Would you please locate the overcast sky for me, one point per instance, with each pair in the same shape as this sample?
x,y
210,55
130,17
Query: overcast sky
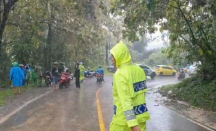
x,y
156,40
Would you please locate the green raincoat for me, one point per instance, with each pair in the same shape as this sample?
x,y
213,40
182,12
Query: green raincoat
x,y
129,92
34,77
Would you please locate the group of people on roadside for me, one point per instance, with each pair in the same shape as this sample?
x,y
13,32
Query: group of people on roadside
x,y
21,75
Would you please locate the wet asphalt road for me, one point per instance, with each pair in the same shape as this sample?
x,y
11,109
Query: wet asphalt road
x,y
76,110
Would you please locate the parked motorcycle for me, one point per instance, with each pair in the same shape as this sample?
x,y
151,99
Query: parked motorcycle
x,y
87,74
64,80
181,74
71,76
99,78
48,79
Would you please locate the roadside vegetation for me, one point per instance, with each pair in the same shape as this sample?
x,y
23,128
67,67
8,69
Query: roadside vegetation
x,y
45,31
5,94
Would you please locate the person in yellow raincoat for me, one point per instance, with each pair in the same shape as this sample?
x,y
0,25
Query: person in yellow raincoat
x,y
82,70
129,92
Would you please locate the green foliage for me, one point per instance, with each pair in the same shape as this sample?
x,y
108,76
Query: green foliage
x,y
192,33
191,26
4,95
158,58
45,31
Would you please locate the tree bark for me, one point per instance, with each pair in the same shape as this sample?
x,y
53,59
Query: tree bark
x,y
48,48
107,54
6,11
5,8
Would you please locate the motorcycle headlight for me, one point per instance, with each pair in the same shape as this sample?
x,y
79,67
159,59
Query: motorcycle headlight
x,y
63,78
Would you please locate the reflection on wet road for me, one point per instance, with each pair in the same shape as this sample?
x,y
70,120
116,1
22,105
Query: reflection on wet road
x,y
76,110
62,110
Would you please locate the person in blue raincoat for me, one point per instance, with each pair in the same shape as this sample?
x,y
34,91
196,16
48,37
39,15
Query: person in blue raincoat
x,y
17,76
25,73
100,71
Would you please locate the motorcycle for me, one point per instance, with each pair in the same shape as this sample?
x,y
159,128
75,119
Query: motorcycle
x,y
71,76
48,79
99,78
181,75
64,80
87,74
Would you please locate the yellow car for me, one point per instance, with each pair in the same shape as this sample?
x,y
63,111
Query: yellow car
x,y
165,70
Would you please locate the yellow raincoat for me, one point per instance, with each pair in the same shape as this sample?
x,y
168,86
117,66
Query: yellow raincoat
x,y
82,71
129,92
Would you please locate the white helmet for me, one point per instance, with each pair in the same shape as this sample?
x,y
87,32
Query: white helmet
x,y
56,63
80,63
21,65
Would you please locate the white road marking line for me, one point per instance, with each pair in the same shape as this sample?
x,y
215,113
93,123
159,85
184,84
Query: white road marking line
x,y
4,118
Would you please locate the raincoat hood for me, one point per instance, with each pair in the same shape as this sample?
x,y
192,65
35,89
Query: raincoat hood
x,y
15,64
121,54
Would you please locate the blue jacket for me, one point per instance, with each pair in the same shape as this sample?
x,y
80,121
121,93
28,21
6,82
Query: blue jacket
x,y
17,76
24,72
100,71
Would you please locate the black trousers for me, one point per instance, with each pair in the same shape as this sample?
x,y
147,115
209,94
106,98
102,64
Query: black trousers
x,y
77,82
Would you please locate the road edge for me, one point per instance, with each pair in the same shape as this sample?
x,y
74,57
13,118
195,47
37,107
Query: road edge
x,y
194,121
5,118
182,115
100,114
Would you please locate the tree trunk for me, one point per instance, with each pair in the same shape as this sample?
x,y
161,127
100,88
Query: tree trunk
x,y
107,54
3,20
48,48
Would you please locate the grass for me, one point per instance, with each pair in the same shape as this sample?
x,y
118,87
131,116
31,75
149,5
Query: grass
x,y
194,91
5,94
8,92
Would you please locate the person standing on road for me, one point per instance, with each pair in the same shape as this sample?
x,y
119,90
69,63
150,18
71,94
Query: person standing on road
x,y
100,71
40,74
17,76
55,74
129,92
61,68
35,76
29,74
24,72
82,71
77,75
